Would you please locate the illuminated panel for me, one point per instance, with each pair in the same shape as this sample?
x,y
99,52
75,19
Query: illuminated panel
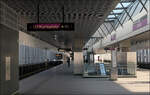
x,y
50,26
59,56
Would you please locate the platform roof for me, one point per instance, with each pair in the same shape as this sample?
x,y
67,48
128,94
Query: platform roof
x,y
87,15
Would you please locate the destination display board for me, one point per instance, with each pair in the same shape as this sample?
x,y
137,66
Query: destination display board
x,y
50,26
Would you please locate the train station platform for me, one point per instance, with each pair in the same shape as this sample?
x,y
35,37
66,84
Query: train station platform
x,y
61,81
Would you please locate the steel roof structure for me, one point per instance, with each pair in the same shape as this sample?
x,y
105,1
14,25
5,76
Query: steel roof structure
x,y
115,17
87,15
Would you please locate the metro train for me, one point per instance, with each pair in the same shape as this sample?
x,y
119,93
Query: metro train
x,y
62,57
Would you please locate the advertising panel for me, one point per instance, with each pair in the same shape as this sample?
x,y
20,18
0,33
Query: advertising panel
x,y
143,21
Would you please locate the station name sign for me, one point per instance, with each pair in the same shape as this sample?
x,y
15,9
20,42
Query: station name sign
x,y
50,26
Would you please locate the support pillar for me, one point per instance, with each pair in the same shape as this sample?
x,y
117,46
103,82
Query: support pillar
x,y
9,44
114,70
9,77
78,63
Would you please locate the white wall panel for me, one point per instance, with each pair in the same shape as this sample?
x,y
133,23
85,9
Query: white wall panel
x,y
32,50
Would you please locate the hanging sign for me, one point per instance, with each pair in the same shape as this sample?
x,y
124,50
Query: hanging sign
x,y
50,26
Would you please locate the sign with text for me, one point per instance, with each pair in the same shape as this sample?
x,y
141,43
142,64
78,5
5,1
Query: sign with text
x,y
50,26
140,23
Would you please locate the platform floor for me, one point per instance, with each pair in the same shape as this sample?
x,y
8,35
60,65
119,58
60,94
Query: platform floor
x,y
61,81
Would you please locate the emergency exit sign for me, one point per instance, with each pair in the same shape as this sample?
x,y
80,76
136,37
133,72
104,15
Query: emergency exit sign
x,y
50,26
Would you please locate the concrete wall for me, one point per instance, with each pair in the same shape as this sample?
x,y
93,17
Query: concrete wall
x,y
10,40
8,70
31,41
9,36
33,50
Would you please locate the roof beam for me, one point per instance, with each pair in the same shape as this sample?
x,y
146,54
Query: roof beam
x,y
127,1
115,13
103,31
121,8
111,18
126,12
117,19
143,5
107,21
99,33
112,26
106,28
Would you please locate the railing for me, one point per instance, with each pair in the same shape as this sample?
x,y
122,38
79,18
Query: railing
x,y
94,70
124,70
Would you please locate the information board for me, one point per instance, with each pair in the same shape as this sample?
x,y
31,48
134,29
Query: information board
x,y
143,21
50,26
102,69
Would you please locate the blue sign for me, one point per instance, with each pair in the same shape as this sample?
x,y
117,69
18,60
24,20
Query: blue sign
x,y
102,69
50,26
